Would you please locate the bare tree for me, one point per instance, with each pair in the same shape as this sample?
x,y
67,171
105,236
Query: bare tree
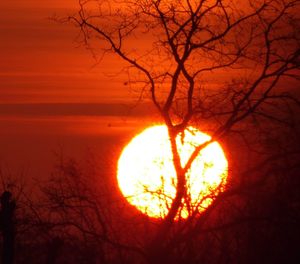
x,y
226,66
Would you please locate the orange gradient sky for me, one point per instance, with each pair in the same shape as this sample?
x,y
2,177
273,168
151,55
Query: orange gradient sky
x,y
52,94
42,62
51,85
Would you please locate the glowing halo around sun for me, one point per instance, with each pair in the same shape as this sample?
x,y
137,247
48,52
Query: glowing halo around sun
x,y
147,178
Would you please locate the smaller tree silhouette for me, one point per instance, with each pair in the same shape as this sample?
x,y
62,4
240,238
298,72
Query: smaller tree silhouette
x,y
7,227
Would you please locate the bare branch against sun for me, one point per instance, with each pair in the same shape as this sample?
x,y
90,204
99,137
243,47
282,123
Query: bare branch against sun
x,y
213,64
190,42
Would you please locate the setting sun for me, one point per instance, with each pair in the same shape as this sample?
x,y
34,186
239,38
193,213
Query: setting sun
x,y
147,178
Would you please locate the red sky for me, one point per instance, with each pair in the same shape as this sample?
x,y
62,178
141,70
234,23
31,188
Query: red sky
x,y
42,62
51,93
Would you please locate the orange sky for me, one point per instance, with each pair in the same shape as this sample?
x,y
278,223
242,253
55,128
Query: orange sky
x,y
42,65
41,61
51,95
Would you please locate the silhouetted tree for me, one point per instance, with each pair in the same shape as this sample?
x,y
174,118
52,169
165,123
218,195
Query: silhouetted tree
x,y
7,227
230,67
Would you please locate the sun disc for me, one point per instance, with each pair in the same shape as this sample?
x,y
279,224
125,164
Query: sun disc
x,y
147,177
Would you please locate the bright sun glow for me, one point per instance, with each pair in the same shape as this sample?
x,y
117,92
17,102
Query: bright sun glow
x,y
147,178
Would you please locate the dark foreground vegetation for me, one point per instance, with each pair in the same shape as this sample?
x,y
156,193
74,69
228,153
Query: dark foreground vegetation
x,y
79,216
